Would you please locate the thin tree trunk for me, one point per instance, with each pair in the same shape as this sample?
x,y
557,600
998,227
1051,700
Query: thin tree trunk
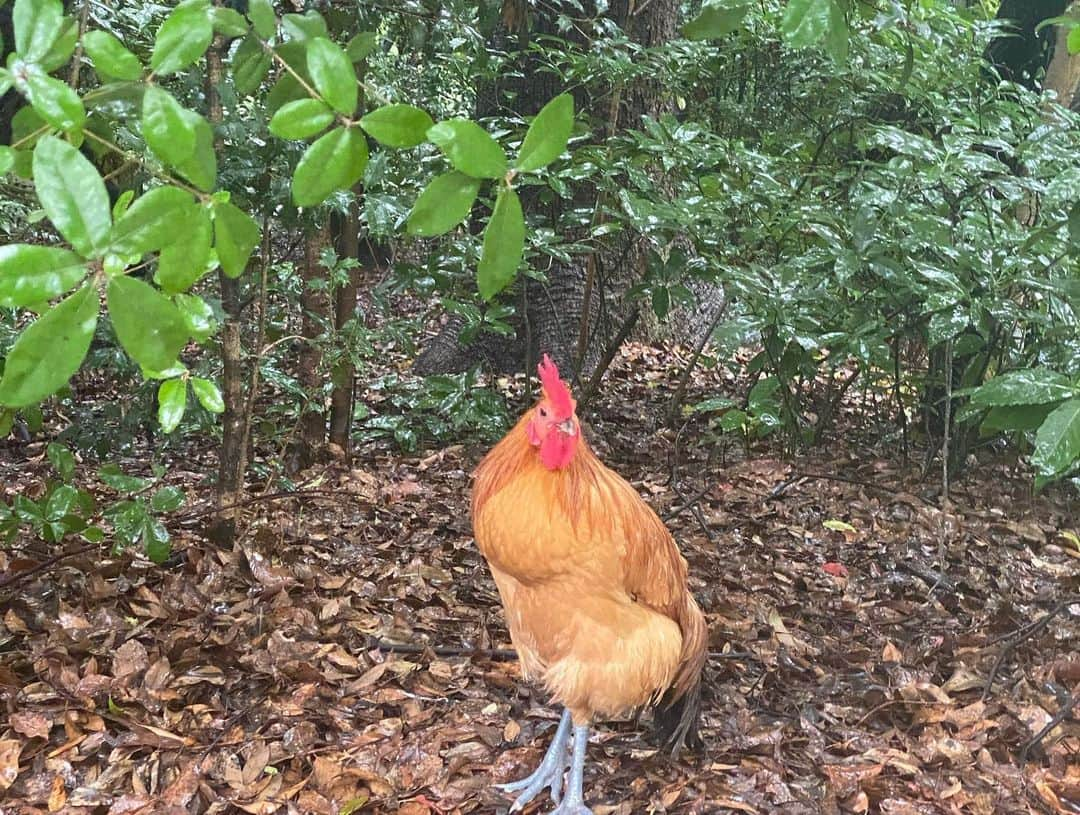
x,y
344,375
315,307
232,458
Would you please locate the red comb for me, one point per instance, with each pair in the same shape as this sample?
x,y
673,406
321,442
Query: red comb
x,y
555,389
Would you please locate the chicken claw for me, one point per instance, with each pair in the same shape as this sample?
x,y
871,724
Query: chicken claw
x,y
548,774
574,802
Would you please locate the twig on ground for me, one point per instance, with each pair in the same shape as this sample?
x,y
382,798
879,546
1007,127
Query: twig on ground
x,y
1013,640
1068,702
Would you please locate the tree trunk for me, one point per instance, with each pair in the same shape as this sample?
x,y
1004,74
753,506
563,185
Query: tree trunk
x,y
580,306
344,374
315,307
232,462
1063,73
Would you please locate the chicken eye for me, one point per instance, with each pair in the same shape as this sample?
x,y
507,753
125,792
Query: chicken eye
x,y
543,413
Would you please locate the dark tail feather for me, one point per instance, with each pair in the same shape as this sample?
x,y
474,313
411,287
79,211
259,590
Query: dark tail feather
x,y
677,713
676,720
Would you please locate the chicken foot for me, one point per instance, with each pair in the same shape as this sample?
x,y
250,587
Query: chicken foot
x,y
548,774
573,803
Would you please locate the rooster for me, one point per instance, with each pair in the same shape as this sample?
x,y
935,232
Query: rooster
x,y
593,586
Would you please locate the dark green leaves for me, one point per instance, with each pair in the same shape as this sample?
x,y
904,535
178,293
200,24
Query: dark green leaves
x,y
548,134
717,19
301,119
443,204
183,37
334,162
32,275
400,126
1035,386
150,328
504,244
469,148
1057,444
235,237
332,74
50,350
73,195
111,59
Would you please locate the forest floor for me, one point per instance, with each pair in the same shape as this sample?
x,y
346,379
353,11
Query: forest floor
x,y
855,621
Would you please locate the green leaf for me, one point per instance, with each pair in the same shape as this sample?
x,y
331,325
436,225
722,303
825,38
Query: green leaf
x,y
181,265
1057,443
806,22
362,45
836,38
208,395
250,64
715,403
172,402
261,14
504,244
31,274
201,168
946,324
1030,386
1011,418
50,350
548,134
62,459
149,327
301,119
155,541
443,204
335,162
400,126
198,316
73,195
469,148
168,127
1074,213
111,59
1073,41
55,101
60,502
7,156
303,27
183,37
661,301
332,74
63,46
37,24
167,499
157,219
236,234
113,477
717,19
228,22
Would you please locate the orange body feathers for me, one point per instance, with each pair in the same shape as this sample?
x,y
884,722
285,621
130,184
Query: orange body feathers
x,y
593,584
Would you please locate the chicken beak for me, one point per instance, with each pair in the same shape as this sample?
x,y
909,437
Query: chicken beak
x,y
567,427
